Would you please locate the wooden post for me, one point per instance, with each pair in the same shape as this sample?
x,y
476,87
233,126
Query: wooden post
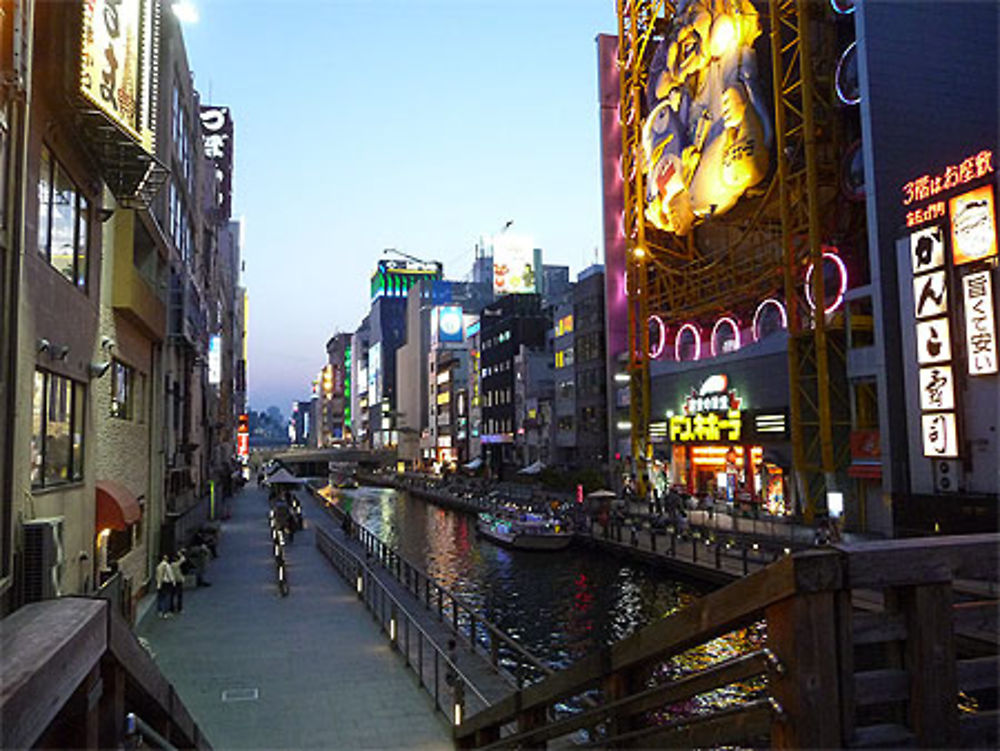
x,y
930,661
802,631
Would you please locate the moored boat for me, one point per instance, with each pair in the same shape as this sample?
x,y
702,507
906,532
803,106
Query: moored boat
x,y
523,530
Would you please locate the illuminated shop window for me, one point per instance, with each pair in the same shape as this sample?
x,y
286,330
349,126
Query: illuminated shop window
x,y
63,221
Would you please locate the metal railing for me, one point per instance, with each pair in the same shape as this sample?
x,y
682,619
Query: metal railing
x,y
453,693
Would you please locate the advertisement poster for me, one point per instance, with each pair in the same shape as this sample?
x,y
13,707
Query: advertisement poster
x,y
973,226
115,63
449,323
513,265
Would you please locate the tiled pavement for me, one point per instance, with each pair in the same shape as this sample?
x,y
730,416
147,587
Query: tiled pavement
x,y
325,678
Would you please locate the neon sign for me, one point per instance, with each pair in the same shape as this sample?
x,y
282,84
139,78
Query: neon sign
x,y
841,289
661,340
710,413
758,313
969,169
727,345
697,341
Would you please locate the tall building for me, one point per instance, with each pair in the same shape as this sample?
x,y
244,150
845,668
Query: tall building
x,y
815,327
564,386
335,392
505,325
390,285
590,370
360,341
106,240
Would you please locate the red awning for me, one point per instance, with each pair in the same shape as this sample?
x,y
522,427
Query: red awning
x,y
117,506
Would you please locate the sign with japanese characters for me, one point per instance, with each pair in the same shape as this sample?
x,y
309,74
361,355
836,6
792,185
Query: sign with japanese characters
x,y
980,325
940,435
973,226
710,413
217,139
937,388
933,341
931,312
930,294
927,249
116,64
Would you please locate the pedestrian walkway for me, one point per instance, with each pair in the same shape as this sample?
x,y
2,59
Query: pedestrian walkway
x,y
305,671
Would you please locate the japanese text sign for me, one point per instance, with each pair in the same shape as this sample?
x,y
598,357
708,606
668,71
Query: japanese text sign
x,y
940,435
933,341
115,63
937,388
980,325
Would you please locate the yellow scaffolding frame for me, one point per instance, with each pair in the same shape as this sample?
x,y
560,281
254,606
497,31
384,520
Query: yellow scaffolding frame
x,y
764,244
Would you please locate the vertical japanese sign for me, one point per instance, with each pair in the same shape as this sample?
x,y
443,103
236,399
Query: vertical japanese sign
x,y
933,334
116,63
980,325
217,138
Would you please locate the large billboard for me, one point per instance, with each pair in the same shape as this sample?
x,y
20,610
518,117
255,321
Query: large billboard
x,y
514,269
217,139
117,65
447,323
707,135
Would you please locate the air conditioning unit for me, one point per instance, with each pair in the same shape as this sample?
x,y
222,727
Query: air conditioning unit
x,y
44,558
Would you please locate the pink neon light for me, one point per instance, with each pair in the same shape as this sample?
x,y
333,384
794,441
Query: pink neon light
x,y
625,283
661,345
697,341
733,325
840,292
756,316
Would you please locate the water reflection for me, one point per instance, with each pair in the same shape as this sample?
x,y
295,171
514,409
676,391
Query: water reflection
x,y
558,605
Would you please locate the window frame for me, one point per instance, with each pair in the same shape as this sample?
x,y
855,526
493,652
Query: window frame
x,y
76,444
127,409
82,220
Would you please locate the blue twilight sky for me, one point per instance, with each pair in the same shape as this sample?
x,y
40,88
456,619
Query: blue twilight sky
x,y
420,125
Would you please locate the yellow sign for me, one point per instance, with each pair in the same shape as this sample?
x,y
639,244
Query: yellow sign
x,y
706,426
116,65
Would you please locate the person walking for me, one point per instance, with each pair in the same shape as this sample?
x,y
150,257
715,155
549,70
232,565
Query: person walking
x,y
178,566
164,586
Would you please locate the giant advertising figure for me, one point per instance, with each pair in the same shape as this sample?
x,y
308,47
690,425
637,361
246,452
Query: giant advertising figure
x,y
708,135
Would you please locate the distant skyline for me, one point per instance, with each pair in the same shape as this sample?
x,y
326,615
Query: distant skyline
x,y
416,125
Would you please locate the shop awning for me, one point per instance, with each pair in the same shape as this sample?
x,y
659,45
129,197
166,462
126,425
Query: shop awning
x,y
117,506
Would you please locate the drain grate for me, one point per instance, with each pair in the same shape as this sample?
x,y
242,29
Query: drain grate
x,y
240,694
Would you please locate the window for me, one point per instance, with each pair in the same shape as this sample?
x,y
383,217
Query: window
x,y
63,221
123,395
57,423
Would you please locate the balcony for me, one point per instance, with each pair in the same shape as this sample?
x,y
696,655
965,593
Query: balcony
x,y
134,295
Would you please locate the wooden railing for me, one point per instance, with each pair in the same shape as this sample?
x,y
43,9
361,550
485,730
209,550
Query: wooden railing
x,y
829,674
71,671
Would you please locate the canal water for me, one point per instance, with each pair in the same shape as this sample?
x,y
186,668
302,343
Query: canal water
x,y
558,605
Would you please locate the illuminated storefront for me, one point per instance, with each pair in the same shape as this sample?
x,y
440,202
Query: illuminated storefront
x,y
716,446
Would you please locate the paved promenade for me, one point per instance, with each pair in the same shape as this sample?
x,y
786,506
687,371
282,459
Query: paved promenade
x,y
306,671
